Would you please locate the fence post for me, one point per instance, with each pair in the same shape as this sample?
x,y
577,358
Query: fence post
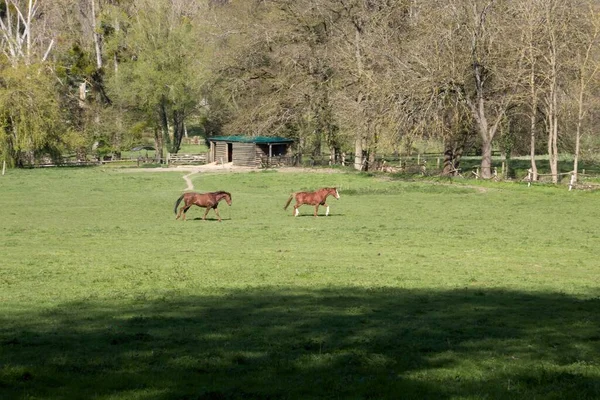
x,y
529,177
572,181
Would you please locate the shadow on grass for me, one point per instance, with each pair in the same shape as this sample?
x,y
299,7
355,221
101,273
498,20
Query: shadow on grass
x,y
347,343
319,215
210,219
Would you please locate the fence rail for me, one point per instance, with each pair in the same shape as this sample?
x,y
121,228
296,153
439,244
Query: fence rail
x,y
186,159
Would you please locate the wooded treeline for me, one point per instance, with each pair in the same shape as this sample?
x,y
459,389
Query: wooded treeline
x,y
358,76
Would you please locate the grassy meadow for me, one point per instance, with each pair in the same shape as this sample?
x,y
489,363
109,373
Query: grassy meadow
x,y
409,289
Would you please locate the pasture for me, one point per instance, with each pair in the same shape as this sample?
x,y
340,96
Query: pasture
x,y
411,290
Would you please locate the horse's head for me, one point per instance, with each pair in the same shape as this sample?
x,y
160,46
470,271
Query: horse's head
x,y
223,195
228,198
334,192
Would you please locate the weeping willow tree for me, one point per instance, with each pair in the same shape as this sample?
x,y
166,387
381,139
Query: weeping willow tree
x,y
30,116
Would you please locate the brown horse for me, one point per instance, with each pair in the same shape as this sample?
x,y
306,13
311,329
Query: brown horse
x,y
207,200
312,198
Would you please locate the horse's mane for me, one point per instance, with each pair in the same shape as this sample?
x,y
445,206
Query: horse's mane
x,y
221,192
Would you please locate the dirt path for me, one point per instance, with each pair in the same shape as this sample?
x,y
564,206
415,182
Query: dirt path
x,y
186,178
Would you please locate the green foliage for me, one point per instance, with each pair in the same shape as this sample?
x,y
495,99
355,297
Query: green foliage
x,y
160,72
409,289
76,66
31,122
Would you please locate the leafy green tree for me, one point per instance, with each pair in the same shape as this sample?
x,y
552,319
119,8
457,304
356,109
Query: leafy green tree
x,y
31,123
160,71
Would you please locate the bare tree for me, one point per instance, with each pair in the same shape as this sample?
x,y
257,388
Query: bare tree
x,y
496,69
23,33
587,64
531,26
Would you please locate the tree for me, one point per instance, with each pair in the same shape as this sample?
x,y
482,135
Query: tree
x,y
367,36
160,73
31,121
586,65
277,72
22,30
494,71
531,26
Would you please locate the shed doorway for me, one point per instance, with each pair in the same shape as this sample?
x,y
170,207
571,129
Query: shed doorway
x,y
229,152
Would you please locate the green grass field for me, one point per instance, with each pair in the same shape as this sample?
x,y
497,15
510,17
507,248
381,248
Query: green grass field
x,y
408,290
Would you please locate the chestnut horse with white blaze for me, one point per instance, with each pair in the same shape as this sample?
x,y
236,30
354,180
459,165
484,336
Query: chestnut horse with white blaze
x,y
316,199
207,200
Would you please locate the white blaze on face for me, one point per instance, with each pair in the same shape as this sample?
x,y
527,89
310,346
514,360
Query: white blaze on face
x,y
337,194
327,212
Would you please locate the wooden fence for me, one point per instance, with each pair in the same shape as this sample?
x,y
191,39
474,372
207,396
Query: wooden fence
x,y
277,161
186,159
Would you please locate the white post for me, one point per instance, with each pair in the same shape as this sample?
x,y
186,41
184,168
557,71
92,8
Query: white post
x,y
529,177
3,167
572,182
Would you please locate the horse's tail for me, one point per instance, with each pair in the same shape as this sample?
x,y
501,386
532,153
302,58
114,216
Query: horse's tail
x,y
288,201
178,201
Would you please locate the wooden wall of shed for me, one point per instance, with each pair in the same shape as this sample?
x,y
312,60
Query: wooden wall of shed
x,y
261,151
244,154
220,152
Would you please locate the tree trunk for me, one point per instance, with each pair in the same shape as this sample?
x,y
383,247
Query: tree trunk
x,y
97,38
452,156
533,116
163,124
358,153
486,159
553,118
358,140
578,135
159,145
485,133
178,130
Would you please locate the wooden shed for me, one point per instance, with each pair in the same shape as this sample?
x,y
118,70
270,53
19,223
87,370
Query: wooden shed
x,y
248,151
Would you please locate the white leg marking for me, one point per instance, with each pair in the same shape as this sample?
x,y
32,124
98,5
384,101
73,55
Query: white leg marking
x,y
327,212
296,213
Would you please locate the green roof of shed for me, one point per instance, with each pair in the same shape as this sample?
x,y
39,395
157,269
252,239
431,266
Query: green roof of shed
x,y
251,139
